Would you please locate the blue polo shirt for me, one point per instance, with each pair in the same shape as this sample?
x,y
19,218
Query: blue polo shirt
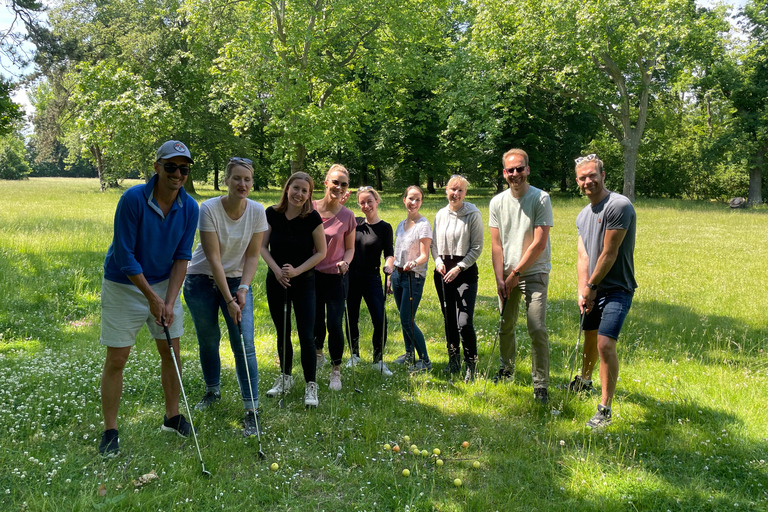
x,y
145,241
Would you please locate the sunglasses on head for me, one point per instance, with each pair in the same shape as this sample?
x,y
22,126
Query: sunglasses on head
x,y
171,167
513,170
240,160
587,158
342,184
365,188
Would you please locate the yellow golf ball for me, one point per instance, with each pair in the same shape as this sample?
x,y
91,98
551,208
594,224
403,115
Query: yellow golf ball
x,y
424,453
274,466
406,472
476,464
406,439
387,447
439,462
457,482
436,451
414,448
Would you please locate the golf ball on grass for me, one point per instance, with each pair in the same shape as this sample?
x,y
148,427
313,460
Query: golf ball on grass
x,y
395,448
457,482
387,447
476,464
406,439
414,448
406,472
274,466
436,451
465,444
439,462
424,453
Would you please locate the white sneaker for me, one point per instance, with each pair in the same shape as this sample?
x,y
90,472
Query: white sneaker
x,y
381,367
321,360
355,359
335,383
310,395
283,382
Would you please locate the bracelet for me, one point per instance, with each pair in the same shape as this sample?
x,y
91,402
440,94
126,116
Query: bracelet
x,y
243,287
230,302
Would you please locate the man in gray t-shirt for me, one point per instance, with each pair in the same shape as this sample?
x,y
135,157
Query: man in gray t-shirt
x,y
520,219
606,271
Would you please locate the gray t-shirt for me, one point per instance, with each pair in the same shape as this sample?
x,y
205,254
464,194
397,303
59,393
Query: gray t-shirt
x,y
613,212
516,219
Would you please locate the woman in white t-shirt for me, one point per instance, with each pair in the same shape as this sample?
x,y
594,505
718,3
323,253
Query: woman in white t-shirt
x,y
413,237
219,278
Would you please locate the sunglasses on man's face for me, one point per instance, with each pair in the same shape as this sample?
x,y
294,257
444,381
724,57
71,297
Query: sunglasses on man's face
x,y
171,167
342,184
513,170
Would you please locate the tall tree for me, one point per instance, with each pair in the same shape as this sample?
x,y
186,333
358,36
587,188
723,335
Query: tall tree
x,y
610,55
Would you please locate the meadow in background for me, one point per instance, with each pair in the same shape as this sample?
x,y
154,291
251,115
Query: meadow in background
x,y
689,430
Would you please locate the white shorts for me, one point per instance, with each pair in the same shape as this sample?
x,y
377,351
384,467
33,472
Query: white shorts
x,y
124,309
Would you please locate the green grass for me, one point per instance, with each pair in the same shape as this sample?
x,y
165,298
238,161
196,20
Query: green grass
x,y
690,419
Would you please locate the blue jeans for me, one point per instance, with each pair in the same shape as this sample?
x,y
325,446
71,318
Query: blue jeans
x,y
300,297
368,287
406,287
329,295
204,302
609,313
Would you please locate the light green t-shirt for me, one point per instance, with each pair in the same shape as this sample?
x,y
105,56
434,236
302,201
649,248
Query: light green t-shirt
x,y
516,220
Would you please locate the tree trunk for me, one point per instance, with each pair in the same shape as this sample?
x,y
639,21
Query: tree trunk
x,y
216,175
379,185
96,152
430,184
297,163
630,165
756,178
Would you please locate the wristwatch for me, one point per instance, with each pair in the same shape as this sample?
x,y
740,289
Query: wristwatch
x,y
516,273
592,286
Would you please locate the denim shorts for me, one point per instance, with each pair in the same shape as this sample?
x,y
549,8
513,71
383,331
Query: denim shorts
x,y
608,315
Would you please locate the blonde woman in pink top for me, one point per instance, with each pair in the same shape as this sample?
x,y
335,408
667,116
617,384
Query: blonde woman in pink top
x,y
339,225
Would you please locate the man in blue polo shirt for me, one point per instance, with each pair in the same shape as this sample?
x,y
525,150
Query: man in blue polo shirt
x,y
143,272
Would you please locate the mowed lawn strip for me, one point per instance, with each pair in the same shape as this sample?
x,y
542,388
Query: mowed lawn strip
x,y
690,421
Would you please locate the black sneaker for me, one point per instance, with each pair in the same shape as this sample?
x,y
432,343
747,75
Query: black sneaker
x,y
453,366
251,424
178,424
209,398
502,375
540,395
579,385
110,443
469,376
601,419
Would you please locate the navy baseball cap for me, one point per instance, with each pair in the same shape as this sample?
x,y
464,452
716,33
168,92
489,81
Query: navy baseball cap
x,y
174,148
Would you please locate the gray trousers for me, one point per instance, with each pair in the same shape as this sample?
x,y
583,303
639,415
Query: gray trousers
x,y
534,289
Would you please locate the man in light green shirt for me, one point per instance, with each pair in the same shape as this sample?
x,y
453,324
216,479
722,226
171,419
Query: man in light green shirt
x,y
520,219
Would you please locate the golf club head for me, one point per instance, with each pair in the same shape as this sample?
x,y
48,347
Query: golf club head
x,y
262,455
206,472
280,404
358,391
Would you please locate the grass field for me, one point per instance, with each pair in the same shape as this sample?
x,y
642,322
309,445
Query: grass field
x,y
690,428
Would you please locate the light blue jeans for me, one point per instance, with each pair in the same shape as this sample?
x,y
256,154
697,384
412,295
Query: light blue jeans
x,y
406,287
204,302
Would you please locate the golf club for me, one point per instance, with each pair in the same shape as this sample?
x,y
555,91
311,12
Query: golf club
x,y
413,331
384,325
573,361
183,394
493,348
286,321
349,339
262,456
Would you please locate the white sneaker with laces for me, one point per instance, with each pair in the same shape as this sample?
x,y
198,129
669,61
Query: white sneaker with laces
x,y
282,380
335,383
310,395
354,360
377,367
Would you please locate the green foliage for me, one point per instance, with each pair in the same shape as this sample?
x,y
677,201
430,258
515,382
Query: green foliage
x,y
10,112
13,163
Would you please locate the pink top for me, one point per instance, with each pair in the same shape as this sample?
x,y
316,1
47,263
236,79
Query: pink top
x,y
336,228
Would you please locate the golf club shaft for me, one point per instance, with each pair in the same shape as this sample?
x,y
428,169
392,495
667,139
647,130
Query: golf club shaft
x,y
286,320
575,356
349,339
250,386
184,395
493,348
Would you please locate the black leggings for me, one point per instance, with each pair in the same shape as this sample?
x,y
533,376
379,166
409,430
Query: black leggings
x,y
300,295
461,295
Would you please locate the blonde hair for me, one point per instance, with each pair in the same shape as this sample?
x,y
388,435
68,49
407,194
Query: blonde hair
x,y
234,162
369,190
458,180
337,167
514,151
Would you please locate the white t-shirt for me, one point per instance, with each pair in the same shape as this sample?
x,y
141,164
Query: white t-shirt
x,y
234,235
407,247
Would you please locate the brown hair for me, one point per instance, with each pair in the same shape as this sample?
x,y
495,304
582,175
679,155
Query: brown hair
x,y
515,151
307,206
405,194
